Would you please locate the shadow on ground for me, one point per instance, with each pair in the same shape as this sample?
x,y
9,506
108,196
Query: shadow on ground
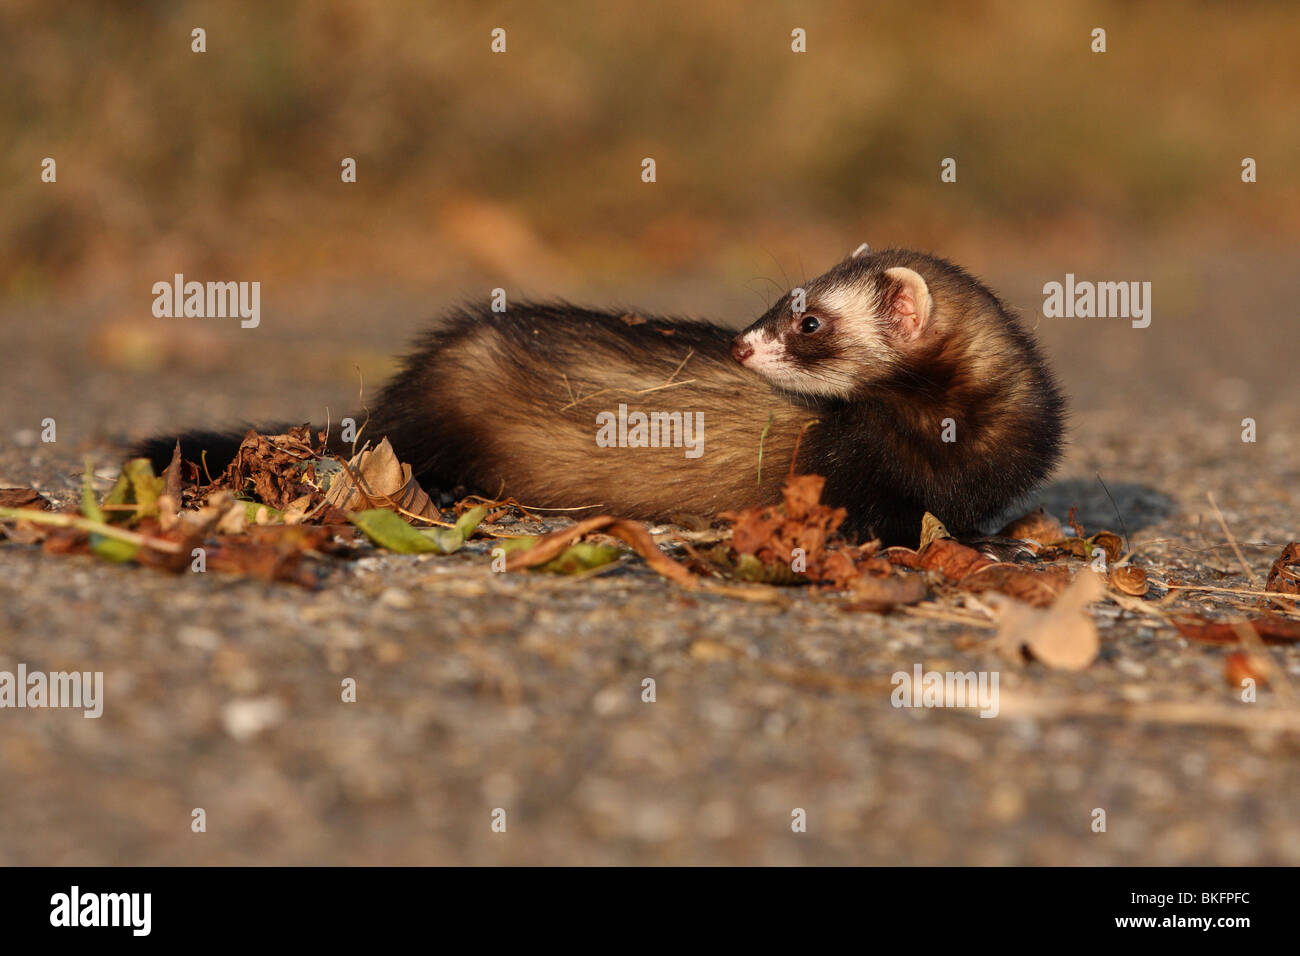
x,y
1118,506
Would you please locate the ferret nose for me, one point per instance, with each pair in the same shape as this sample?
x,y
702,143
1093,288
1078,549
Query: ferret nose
x,y
740,349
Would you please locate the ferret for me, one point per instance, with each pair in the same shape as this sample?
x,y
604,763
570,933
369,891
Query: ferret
x,y
897,376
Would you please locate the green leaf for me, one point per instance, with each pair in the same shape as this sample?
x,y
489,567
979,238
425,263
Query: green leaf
x,y
146,489
107,541
582,556
451,539
388,530
112,549
119,494
750,568
251,508
521,543
89,506
578,557
135,485
470,520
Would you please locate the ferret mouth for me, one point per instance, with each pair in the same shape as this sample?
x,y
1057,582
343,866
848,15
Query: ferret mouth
x,y
778,373
755,351
820,383
760,358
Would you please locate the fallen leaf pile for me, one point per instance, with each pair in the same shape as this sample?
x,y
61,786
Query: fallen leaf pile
x,y
796,542
280,504
275,469
284,503
971,571
141,521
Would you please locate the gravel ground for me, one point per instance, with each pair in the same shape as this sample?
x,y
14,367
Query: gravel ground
x,y
478,691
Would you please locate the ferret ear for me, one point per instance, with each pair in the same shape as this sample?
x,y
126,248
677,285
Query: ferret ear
x,y
907,303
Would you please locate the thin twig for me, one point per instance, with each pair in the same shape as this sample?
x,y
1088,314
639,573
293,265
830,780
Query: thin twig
x,y
1123,526
640,391
1231,540
1206,587
761,438
938,614
798,440
656,388
361,397
61,520
579,401
1181,713
689,353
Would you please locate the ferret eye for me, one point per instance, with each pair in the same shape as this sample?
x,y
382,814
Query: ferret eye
x,y
810,324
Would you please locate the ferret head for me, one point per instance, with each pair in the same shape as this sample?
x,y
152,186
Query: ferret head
x,y
844,330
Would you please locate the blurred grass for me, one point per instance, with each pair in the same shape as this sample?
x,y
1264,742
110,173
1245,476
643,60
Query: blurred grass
x,y
527,164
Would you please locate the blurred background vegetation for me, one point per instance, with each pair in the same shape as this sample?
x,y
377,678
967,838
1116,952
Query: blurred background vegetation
x,y
523,170
526,165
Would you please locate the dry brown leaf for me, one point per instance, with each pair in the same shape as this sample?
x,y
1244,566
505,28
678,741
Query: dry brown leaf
x,y
24,498
297,510
1240,665
274,553
632,533
1109,542
1062,636
932,529
1129,580
882,593
202,521
802,523
1284,576
902,557
273,467
1270,628
172,498
802,495
951,559
1037,587
1075,547
234,520
376,479
24,532
1039,525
